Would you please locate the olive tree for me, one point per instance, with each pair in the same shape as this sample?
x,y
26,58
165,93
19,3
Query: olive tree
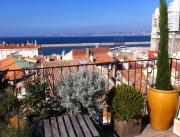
x,y
83,92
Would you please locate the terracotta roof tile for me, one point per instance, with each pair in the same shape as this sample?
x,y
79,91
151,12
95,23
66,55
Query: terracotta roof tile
x,y
63,68
56,73
100,55
99,50
137,78
125,57
152,54
78,52
10,64
135,65
103,58
80,57
130,58
13,63
95,51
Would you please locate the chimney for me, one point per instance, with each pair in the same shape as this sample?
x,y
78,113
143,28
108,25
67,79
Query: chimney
x,y
91,58
87,52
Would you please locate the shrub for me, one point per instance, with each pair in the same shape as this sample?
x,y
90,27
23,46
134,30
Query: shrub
x,y
127,104
39,101
7,105
16,132
82,92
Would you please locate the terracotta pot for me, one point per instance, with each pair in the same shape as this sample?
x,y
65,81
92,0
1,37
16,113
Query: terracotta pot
x,y
124,129
162,107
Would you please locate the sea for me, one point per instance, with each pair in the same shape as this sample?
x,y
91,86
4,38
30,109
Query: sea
x,y
68,40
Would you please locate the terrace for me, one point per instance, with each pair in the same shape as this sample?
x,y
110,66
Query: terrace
x,y
140,74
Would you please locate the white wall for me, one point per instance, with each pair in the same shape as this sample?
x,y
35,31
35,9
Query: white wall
x,y
68,56
173,25
23,52
174,15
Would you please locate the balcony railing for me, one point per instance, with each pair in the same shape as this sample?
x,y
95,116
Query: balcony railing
x,y
141,73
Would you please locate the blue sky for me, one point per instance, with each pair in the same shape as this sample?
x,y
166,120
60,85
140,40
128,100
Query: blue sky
x,y
47,17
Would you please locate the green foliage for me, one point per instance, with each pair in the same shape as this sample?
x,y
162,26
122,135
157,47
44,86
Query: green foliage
x,y
163,79
7,104
110,97
16,132
178,119
82,91
128,103
39,101
7,101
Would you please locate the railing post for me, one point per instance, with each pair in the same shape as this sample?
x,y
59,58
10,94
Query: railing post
x,y
115,72
53,80
141,75
128,71
108,76
171,64
135,74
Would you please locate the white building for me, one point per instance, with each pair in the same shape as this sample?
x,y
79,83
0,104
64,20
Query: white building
x,y
27,50
155,30
174,16
173,25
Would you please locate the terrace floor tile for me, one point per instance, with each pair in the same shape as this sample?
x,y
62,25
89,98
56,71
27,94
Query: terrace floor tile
x,y
149,132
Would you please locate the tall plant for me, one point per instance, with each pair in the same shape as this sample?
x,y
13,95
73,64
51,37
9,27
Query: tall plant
x,y
163,79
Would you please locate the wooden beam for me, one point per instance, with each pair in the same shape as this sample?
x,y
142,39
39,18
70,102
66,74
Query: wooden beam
x,y
62,127
84,127
69,126
47,128
55,129
77,127
91,126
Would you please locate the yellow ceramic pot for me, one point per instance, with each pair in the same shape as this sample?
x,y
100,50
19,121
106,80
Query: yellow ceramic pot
x,y
162,107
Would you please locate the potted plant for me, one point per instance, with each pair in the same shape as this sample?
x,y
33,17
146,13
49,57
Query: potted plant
x,y
163,98
127,110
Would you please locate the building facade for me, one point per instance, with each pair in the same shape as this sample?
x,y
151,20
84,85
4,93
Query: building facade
x,y
27,50
174,29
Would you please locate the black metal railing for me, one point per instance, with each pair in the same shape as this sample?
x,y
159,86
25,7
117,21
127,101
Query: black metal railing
x,y
140,74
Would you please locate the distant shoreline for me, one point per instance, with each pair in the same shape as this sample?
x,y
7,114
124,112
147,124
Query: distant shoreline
x,y
75,40
73,36
96,44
